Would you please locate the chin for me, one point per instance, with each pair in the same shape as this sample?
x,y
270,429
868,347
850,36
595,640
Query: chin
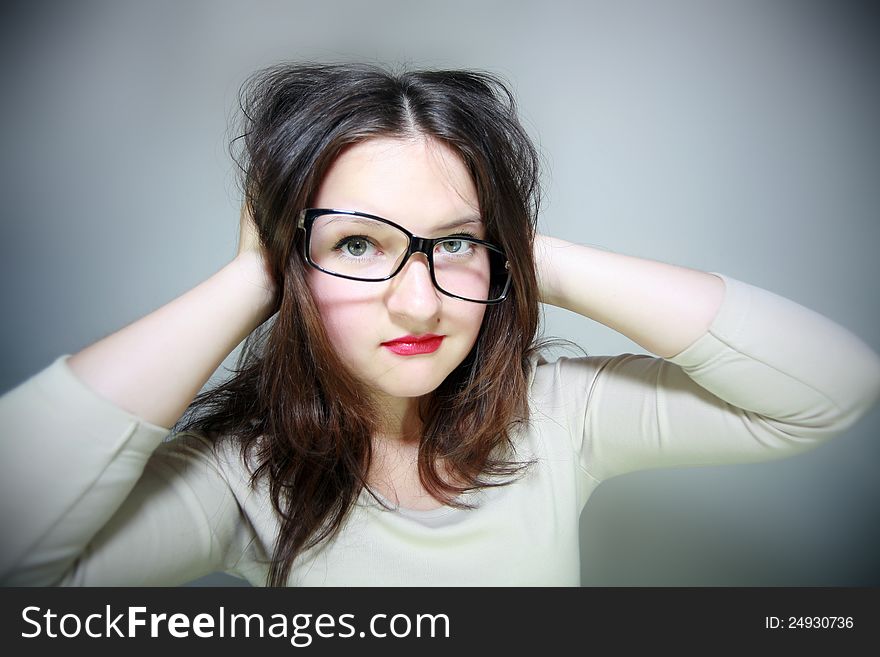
x,y
414,382
410,389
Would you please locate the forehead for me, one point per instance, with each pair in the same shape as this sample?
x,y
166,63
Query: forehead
x,y
419,183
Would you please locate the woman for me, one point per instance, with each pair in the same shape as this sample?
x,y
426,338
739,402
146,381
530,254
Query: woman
x,y
393,422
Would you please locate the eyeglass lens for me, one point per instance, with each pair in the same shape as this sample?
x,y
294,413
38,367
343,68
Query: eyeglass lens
x,y
367,249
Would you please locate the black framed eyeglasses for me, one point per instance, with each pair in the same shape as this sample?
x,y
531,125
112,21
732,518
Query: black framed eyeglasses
x,y
364,247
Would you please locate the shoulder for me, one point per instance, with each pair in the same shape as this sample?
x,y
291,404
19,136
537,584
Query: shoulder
x,y
546,373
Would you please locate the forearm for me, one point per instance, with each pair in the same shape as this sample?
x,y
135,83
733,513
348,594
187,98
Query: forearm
x,y
155,366
664,308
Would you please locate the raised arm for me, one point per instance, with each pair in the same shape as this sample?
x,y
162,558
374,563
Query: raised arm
x,y
88,494
746,375
664,308
155,366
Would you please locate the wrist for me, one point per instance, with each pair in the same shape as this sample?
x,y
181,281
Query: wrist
x,y
251,269
547,278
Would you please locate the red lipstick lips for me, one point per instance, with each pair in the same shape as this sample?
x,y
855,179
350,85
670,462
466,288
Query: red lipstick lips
x,y
413,345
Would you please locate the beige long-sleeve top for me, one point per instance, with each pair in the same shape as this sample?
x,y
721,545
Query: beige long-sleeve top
x,y
91,494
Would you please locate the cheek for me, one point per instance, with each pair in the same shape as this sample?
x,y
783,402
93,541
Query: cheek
x,y
471,319
344,308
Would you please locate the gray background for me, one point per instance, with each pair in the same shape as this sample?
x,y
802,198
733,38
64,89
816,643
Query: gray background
x,y
738,137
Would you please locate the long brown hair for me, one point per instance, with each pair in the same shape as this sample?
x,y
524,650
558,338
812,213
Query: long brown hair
x,y
302,419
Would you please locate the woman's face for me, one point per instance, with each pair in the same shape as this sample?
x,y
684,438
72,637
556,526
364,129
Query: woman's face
x,y
422,185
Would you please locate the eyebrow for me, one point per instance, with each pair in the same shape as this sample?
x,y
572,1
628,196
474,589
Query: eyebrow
x,y
458,223
349,219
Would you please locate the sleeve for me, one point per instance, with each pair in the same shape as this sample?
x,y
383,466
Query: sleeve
x,y
91,495
768,379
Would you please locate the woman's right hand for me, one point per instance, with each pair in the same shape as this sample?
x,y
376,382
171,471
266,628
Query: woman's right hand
x,y
248,239
251,255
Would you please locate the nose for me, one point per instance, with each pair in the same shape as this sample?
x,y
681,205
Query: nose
x,y
412,297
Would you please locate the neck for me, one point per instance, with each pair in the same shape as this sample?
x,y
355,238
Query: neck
x,y
400,422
